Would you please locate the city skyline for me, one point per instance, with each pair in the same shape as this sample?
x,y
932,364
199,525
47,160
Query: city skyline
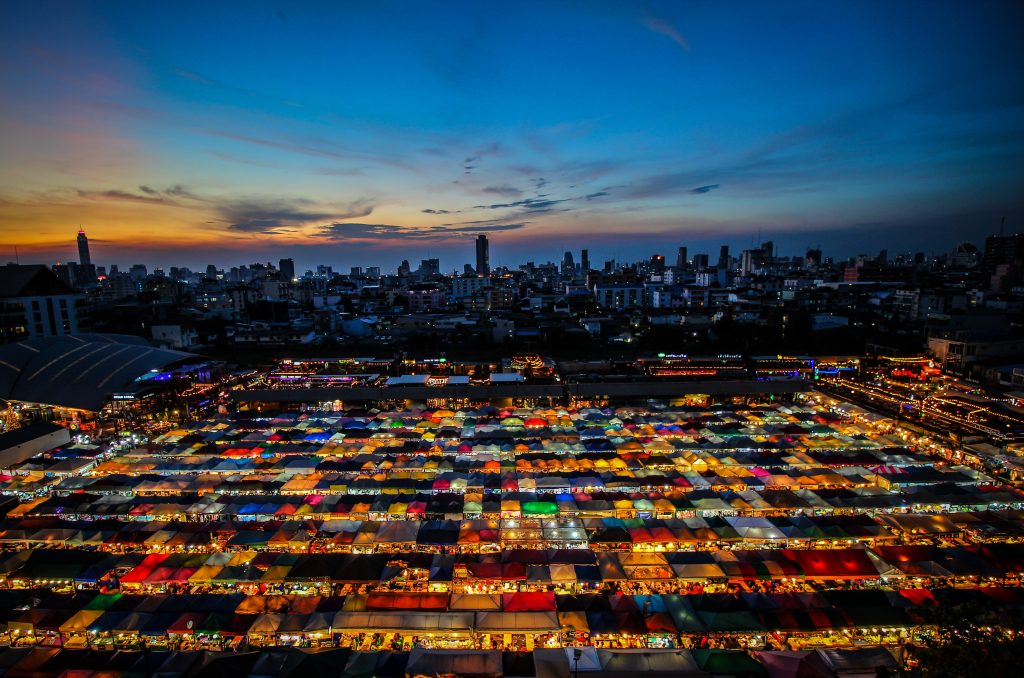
x,y
478,260
344,136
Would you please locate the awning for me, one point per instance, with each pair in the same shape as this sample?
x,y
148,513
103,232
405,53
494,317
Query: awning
x,y
429,662
517,622
377,622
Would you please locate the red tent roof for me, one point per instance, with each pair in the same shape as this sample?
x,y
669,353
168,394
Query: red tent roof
x,y
528,601
834,564
385,600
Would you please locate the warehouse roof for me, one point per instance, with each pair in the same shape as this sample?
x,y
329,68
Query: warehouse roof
x,y
77,371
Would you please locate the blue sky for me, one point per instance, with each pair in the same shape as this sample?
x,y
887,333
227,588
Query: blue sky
x,y
368,132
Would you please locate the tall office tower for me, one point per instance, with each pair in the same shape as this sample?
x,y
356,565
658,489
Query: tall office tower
x,y
700,261
286,267
83,249
681,261
723,257
657,263
749,260
585,261
138,272
483,256
568,265
1003,261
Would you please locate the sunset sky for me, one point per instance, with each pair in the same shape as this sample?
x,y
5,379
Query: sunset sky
x,y
363,133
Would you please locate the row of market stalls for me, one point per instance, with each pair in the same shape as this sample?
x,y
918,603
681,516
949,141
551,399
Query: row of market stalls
x,y
306,475
523,621
562,570
553,531
554,663
473,536
394,501
537,440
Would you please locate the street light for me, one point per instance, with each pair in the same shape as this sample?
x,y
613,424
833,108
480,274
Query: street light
x,y
576,655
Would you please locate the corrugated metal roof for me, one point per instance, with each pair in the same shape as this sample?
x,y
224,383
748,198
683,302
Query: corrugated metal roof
x,y
77,371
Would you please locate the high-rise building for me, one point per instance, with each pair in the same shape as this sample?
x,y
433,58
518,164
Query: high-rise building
x,y
700,261
681,261
750,261
287,269
585,261
429,267
1003,261
138,272
35,302
966,255
657,263
483,255
723,257
568,265
83,249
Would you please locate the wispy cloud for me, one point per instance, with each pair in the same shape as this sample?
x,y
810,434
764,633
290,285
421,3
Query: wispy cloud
x,y
284,215
528,204
313,146
192,75
663,27
361,231
704,189
122,195
472,160
507,191
172,195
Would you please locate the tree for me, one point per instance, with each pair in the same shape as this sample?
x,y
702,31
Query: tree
x,y
971,640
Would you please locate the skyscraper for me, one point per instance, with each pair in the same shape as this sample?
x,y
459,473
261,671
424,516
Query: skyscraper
x,y
1003,262
483,256
429,267
83,249
585,261
287,268
681,261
